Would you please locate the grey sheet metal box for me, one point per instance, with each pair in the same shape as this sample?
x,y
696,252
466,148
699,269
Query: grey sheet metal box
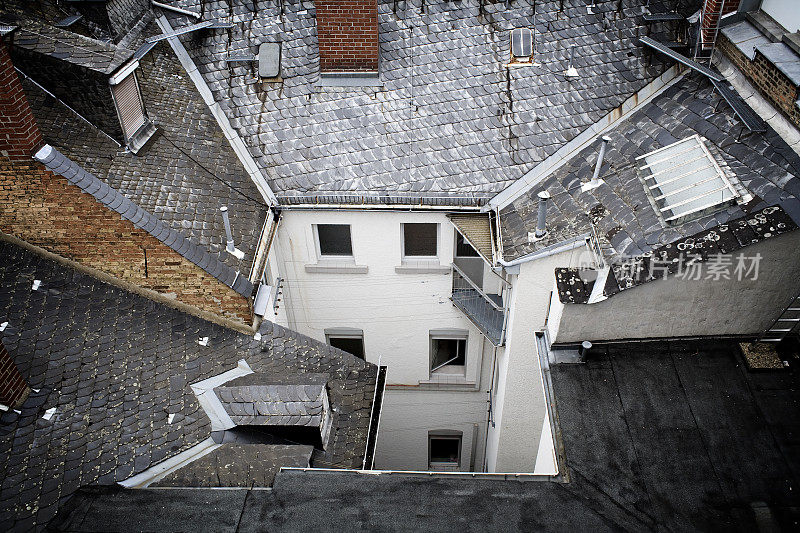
x,y
269,60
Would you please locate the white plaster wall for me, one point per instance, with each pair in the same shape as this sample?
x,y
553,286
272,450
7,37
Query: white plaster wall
x,y
685,308
407,417
785,12
520,406
396,313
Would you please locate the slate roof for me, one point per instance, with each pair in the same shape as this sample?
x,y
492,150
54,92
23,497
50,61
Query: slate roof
x,y
57,163
182,175
449,116
256,400
624,220
661,436
114,366
63,44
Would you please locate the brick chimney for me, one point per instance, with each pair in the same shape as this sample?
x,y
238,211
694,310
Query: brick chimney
x,y
19,133
711,16
347,31
13,389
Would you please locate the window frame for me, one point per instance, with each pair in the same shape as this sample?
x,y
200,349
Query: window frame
x,y
115,98
449,334
412,258
466,242
347,333
332,257
445,434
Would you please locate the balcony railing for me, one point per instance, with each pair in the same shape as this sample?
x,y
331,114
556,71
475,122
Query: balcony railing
x,y
488,312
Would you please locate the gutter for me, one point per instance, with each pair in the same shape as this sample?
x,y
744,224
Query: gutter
x,y
563,246
235,141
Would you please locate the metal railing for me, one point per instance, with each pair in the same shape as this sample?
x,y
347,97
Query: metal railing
x,y
489,313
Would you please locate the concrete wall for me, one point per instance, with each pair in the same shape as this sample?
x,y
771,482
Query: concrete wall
x,y
680,308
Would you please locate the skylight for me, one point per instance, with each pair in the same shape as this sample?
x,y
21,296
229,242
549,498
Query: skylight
x,y
684,181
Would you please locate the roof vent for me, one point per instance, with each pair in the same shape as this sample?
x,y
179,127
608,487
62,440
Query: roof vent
x,y
571,72
596,181
521,45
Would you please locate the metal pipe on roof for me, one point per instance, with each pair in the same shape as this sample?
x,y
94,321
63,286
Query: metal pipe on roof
x,y
541,216
600,156
228,233
176,9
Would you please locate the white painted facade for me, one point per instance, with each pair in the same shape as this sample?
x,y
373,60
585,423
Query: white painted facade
x,y
396,304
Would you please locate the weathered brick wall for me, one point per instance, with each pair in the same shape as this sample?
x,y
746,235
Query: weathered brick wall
x,y
770,82
711,15
19,133
13,389
347,31
46,210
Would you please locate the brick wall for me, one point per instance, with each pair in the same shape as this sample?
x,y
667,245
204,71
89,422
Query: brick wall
x,y
347,31
711,15
19,133
48,211
770,82
13,389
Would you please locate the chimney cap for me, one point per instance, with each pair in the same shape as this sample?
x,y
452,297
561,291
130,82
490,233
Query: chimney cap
x,y
544,195
223,208
606,138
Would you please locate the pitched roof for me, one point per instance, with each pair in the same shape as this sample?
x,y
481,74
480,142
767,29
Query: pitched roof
x,y
115,366
448,117
620,212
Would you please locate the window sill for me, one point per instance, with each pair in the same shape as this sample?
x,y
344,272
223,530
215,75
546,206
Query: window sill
x,y
432,267
336,268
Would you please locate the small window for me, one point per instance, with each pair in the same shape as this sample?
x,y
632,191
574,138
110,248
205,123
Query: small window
x,y
353,344
521,45
463,248
420,240
334,239
448,353
444,449
684,181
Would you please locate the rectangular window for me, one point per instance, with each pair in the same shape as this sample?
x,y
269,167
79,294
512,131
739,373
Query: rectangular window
x,y
444,449
129,105
463,248
334,239
350,340
420,240
448,351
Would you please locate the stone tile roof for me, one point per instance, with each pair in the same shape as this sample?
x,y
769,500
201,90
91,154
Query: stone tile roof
x,y
71,47
114,366
449,115
620,212
57,163
255,400
184,173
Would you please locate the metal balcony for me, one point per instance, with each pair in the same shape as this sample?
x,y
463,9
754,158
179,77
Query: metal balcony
x,y
486,311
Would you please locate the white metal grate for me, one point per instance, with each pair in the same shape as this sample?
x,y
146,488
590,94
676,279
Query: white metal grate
x,y
683,179
129,105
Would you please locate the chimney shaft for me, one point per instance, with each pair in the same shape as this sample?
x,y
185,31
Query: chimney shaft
x,y
541,218
347,33
20,137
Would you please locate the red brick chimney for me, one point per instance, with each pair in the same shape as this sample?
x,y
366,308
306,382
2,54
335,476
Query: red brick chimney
x,y
711,16
19,133
13,389
347,31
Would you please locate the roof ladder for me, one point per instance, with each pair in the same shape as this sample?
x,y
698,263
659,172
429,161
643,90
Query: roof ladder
x,y
680,27
785,324
707,33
